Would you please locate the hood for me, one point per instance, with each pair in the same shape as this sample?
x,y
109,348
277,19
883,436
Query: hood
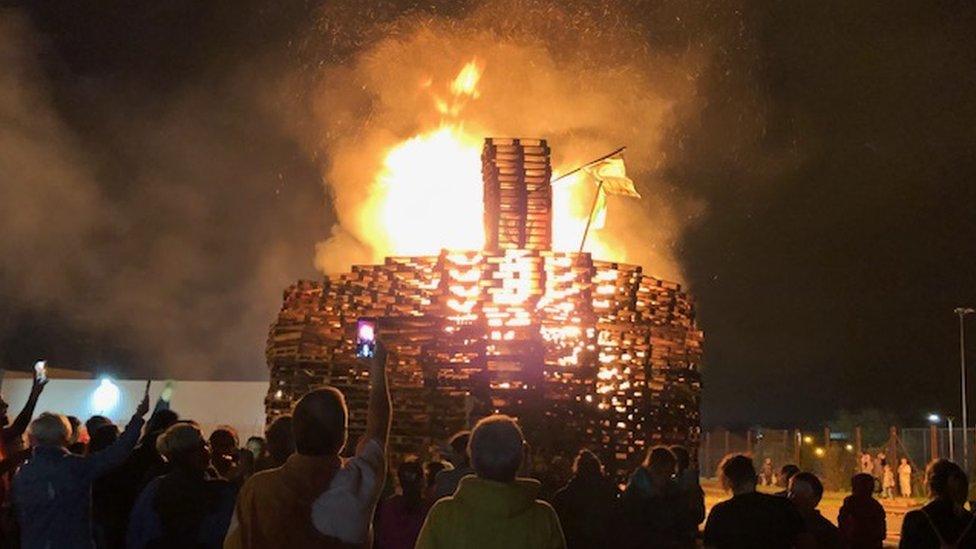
x,y
502,499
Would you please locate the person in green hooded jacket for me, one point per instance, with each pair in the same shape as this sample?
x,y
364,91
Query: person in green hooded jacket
x,y
493,508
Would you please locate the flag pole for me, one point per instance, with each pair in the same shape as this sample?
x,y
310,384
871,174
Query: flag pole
x,y
589,218
591,162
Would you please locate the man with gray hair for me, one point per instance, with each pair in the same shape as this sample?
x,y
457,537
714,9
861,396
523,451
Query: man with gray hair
x,y
493,508
52,491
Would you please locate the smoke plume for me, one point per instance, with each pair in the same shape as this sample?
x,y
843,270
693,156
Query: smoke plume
x,y
581,75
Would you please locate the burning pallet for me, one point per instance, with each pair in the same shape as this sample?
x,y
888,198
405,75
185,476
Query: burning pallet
x,y
583,352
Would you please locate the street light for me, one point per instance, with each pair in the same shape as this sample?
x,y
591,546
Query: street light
x,y
962,312
936,419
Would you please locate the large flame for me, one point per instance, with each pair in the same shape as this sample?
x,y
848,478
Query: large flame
x,y
429,193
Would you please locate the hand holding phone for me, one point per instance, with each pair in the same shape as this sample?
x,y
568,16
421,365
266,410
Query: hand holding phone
x,y
40,371
365,338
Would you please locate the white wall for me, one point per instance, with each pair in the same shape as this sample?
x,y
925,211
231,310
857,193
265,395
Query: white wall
x,y
209,403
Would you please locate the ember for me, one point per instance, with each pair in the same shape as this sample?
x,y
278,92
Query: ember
x,y
584,352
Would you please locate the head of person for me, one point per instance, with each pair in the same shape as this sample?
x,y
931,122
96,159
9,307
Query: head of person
x,y
410,474
785,474
737,473
183,445
102,437
49,430
496,448
319,423
862,484
96,422
587,465
223,441
75,435
256,445
160,420
904,461
459,448
280,440
683,456
431,468
947,481
660,462
805,491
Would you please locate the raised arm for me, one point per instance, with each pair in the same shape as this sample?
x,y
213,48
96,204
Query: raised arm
x,y
19,425
379,412
100,463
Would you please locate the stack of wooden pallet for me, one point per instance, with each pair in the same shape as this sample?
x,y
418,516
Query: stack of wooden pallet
x,y
517,194
585,353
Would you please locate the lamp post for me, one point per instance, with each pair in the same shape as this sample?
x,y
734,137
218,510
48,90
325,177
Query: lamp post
x,y
962,312
935,420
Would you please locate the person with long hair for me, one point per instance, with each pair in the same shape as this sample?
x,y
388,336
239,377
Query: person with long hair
x,y
944,521
587,504
652,508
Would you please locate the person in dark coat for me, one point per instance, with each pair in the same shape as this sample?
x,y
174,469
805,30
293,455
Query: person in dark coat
x,y
805,492
690,492
587,504
52,491
182,508
653,513
944,522
862,519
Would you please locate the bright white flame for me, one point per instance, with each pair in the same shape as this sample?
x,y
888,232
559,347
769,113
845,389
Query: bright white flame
x,y
106,397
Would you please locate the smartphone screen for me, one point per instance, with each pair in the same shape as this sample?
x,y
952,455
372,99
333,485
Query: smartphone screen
x,y
365,338
40,368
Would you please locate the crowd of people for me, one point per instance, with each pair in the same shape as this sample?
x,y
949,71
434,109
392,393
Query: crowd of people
x,y
162,483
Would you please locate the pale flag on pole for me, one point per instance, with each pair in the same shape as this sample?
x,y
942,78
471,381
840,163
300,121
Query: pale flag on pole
x,y
613,174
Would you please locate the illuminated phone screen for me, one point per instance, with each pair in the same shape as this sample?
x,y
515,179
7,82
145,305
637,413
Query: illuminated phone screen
x,y
365,338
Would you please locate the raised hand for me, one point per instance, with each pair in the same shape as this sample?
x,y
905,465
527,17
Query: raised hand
x,y
143,407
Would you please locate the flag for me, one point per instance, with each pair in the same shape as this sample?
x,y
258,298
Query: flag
x,y
613,174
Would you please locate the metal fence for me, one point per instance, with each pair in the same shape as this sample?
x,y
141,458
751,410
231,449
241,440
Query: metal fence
x,y
833,456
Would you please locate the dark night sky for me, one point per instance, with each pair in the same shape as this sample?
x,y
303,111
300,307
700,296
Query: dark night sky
x,y
833,249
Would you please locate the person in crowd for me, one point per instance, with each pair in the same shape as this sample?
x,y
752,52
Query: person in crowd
x,y
12,453
888,482
783,479
315,499
280,444
587,505
805,492
145,463
752,519
944,521
879,464
862,519
399,518
225,451
447,480
691,495
77,443
52,492
258,448
182,508
867,464
651,504
109,507
431,470
905,478
493,508
766,476
95,422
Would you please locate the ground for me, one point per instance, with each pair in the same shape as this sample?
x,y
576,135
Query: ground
x,y
830,506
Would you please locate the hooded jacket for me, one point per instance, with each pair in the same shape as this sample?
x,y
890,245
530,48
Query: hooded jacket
x,y
485,514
